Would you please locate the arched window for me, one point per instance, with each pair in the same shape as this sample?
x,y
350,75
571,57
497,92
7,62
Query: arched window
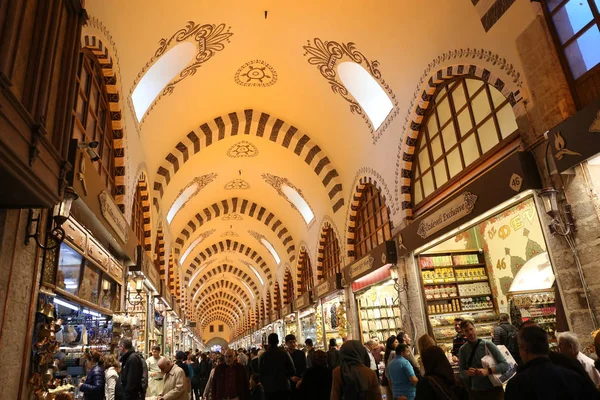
x,y
332,260
577,36
466,119
289,282
306,275
91,116
372,222
137,215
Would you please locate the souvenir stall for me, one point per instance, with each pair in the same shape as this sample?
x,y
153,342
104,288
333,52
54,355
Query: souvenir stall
x,y
480,253
290,321
331,302
306,317
377,299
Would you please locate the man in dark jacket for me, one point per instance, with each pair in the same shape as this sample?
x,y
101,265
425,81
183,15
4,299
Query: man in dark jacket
x,y
333,355
253,364
299,359
539,378
506,334
132,371
230,380
276,368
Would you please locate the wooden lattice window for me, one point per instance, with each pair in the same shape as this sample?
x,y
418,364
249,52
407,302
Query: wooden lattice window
x,y
137,215
372,221
332,260
91,116
466,119
306,275
575,27
289,282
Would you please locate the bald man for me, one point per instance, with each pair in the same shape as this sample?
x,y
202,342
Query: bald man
x,y
230,380
174,381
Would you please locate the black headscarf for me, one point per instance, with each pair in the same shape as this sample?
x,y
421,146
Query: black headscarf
x,y
352,354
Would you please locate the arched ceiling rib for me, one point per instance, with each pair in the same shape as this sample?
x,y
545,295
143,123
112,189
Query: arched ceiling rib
x,y
218,283
227,270
226,296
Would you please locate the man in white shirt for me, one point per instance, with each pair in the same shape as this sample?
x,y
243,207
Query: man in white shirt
x,y
568,344
155,375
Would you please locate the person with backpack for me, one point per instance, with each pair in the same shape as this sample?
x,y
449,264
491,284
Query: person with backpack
x,y
506,334
132,372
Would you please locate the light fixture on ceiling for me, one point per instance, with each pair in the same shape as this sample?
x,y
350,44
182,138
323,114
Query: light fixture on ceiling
x,y
60,214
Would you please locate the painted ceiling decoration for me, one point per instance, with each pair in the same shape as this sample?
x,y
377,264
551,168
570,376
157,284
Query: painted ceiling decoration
x,y
237,184
243,206
242,149
230,234
208,39
328,55
266,244
256,73
292,194
232,217
250,122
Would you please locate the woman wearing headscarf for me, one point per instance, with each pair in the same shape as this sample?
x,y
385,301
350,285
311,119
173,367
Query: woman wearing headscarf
x,y
438,382
354,380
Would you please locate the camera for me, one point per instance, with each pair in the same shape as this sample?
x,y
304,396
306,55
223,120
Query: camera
x,y
90,148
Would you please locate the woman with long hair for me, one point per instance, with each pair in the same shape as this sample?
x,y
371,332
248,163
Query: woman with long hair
x,y
353,379
390,353
423,344
93,386
112,369
438,382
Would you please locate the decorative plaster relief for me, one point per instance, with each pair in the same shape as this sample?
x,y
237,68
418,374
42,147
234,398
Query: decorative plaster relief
x,y
210,39
237,184
256,73
242,149
232,217
230,234
327,55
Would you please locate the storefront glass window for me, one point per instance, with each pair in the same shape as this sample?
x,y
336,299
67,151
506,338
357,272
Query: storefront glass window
x,y
480,118
69,269
90,283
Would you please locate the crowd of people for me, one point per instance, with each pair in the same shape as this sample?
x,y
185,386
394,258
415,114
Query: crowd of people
x,y
358,371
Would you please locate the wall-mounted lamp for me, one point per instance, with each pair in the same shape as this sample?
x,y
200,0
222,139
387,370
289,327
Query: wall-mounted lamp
x,y
138,298
60,215
552,199
395,275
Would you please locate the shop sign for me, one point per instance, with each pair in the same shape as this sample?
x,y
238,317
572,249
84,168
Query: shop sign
x,y
361,266
302,301
577,138
274,316
110,211
377,258
451,212
513,175
286,310
332,283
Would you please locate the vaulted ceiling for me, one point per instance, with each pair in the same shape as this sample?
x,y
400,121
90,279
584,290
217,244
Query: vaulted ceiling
x,y
262,106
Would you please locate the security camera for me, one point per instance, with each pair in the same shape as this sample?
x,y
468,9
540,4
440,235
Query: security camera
x,y
90,148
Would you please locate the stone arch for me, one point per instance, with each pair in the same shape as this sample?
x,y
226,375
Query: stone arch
x,y
216,270
425,94
227,245
216,296
241,206
302,256
288,292
225,303
254,123
277,301
112,82
326,225
218,315
226,285
353,209
211,309
159,248
142,183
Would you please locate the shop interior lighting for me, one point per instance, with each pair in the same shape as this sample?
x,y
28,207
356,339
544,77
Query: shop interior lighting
x,y
60,214
535,274
92,313
499,208
65,304
257,275
271,249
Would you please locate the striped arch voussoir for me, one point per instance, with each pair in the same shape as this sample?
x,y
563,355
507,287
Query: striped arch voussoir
x,y
223,297
227,245
98,48
216,270
160,253
242,206
321,248
222,303
412,134
146,211
301,258
286,289
358,192
218,315
254,123
225,285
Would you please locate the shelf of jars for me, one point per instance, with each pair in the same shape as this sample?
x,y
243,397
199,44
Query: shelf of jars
x,y
457,285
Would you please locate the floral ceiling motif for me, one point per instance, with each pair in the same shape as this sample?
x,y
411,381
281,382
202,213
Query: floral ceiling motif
x,y
230,234
327,55
237,184
242,149
232,217
256,73
210,39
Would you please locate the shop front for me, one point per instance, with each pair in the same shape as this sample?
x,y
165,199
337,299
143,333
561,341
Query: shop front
x,y
306,318
330,309
277,325
290,321
377,297
483,252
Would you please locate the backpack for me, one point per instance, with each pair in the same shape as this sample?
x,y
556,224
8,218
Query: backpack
x,y
145,372
511,341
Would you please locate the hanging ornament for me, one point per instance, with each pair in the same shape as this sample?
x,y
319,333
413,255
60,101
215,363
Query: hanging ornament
x,y
319,323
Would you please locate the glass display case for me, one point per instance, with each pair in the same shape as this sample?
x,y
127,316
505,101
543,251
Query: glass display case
x,y
69,270
308,326
379,313
332,305
290,325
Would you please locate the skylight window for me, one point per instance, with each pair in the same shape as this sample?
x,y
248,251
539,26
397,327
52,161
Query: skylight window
x,y
181,200
299,202
196,274
249,290
257,274
271,249
189,249
159,74
367,92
